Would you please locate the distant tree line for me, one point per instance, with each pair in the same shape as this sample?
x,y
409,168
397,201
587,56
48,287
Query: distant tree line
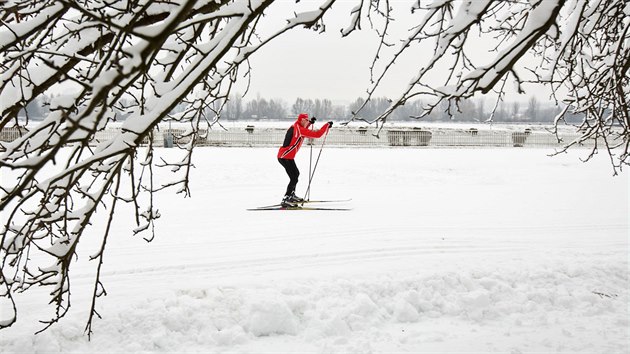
x,y
470,110
257,109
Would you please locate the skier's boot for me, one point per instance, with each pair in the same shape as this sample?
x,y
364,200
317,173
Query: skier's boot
x,y
295,199
287,202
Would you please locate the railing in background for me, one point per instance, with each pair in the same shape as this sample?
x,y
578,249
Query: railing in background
x,y
345,137
10,134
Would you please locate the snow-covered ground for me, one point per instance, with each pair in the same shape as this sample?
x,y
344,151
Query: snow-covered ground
x,y
475,251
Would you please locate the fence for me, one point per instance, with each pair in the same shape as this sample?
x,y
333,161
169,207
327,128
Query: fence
x,y
344,136
397,138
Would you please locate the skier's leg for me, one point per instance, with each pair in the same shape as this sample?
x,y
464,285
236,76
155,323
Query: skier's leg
x,y
292,171
294,175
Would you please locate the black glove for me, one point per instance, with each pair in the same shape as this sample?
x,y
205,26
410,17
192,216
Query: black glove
x,y
329,124
313,120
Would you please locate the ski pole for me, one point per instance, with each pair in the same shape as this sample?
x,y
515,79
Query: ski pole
x,y
310,163
310,178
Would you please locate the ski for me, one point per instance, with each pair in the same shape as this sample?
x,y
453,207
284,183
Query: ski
x,y
327,201
280,207
267,206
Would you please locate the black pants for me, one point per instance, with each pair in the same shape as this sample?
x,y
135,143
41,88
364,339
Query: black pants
x,y
293,172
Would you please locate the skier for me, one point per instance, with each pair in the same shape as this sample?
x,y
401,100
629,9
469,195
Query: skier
x,y
286,154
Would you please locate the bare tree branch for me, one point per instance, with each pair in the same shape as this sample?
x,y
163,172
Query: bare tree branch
x,y
579,49
144,58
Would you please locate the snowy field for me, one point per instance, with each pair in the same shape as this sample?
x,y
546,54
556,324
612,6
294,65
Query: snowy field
x,y
444,251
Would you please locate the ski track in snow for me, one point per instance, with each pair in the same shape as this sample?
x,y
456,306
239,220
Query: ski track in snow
x,y
481,251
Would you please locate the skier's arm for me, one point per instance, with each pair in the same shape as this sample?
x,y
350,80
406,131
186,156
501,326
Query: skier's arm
x,y
307,133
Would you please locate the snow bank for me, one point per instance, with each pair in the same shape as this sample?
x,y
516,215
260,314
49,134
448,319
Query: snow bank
x,y
343,315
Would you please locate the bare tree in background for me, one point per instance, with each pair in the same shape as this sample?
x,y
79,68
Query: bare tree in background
x,y
140,57
302,105
144,58
580,49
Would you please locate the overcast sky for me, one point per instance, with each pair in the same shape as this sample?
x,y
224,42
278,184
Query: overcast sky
x,y
307,64
303,64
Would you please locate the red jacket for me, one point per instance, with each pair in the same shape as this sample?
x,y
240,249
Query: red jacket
x,y
294,138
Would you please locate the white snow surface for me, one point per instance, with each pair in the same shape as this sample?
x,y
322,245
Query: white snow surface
x,y
444,251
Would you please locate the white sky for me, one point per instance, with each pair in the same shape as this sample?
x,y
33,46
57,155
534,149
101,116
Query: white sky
x,y
307,64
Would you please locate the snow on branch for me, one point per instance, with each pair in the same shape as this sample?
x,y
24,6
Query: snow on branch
x,y
140,66
146,63
579,49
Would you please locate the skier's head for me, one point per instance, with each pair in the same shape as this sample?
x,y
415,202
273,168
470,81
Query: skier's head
x,y
303,119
